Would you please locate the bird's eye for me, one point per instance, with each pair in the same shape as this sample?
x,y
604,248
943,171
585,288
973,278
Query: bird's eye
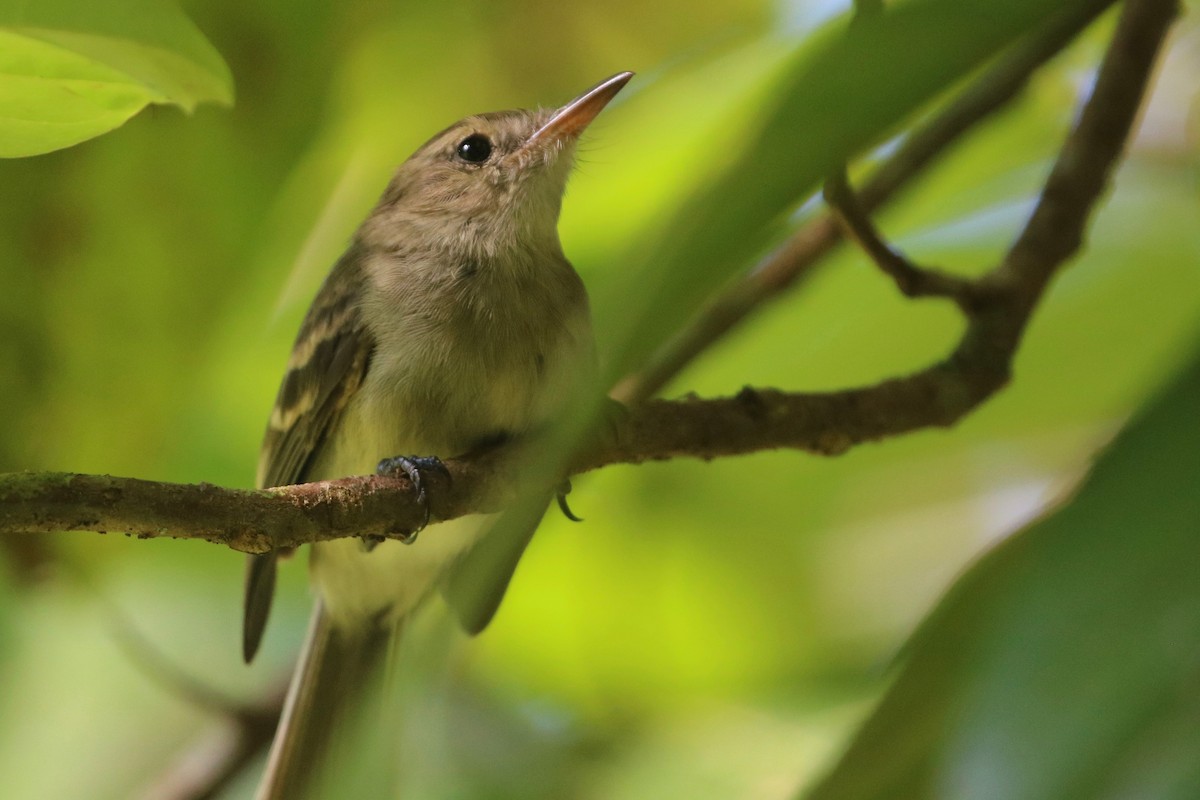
x,y
474,149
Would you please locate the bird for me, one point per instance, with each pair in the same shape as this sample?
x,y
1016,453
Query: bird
x,y
453,323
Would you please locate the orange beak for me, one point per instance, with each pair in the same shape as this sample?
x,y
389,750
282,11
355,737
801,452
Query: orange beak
x,y
570,120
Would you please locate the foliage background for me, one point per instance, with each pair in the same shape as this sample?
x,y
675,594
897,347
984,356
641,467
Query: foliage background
x,y
712,630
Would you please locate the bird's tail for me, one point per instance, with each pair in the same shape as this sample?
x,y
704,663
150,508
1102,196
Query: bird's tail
x,y
338,668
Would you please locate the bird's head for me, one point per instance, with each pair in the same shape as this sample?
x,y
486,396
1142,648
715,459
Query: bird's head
x,y
492,181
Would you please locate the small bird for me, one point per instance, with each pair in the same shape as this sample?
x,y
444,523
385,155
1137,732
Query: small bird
x,y
452,323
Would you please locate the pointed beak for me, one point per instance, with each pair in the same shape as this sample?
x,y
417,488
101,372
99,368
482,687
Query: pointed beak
x,y
570,120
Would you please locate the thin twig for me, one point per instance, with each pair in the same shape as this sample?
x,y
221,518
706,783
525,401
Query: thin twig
x,y
796,258
205,769
154,664
912,280
241,731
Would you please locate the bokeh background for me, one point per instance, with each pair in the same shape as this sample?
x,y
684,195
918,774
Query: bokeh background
x,y
713,630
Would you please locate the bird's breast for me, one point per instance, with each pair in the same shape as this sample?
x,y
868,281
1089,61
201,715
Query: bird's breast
x,y
448,371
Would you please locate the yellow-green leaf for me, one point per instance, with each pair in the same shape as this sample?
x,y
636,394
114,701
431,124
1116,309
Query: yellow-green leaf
x,y
70,71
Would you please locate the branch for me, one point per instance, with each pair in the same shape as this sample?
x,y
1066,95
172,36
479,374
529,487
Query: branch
x,y
754,420
240,732
255,521
912,280
797,257
206,769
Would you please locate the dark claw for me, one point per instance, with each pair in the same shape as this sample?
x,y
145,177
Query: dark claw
x,y
561,496
410,467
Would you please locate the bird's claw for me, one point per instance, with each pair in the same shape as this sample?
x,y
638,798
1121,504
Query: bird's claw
x,y
564,489
411,467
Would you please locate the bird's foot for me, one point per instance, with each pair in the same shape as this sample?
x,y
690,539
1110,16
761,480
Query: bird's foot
x,y
411,467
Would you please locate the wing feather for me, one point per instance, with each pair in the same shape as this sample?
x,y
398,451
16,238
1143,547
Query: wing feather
x,y
328,364
329,361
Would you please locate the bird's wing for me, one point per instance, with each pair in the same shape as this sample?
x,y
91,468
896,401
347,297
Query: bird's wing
x,y
329,361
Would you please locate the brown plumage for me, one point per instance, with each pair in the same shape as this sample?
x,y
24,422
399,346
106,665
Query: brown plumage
x,y
453,319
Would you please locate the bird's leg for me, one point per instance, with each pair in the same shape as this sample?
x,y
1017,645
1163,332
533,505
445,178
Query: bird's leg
x,y
411,467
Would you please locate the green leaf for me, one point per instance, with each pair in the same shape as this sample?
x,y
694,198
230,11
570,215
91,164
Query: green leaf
x,y
1065,664
70,71
830,105
50,98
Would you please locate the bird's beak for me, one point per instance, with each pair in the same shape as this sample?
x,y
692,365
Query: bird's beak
x,y
570,120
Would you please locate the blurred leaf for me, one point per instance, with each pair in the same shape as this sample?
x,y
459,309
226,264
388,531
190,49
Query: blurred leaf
x,y
1066,663
72,70
831,105
50,98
